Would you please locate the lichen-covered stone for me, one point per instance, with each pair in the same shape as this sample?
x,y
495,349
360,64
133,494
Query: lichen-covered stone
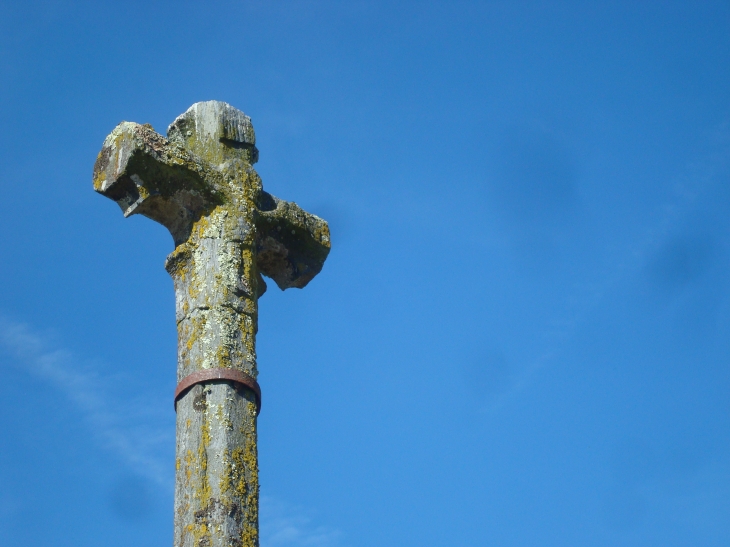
x,y
199,183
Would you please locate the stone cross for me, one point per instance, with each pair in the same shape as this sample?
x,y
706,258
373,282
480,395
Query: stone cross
x,y
200,184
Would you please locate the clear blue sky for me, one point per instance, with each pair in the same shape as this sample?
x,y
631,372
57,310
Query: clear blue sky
x,y
521,336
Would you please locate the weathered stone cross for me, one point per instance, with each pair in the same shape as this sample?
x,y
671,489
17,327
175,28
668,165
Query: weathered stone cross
x,y
200,184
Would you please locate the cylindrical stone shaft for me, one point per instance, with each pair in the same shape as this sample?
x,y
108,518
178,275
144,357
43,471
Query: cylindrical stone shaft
x,y
216,486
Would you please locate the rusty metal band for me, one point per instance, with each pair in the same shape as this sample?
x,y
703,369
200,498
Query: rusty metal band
x,y
209,374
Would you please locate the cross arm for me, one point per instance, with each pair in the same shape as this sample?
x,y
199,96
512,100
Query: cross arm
x,y
146,174
292,244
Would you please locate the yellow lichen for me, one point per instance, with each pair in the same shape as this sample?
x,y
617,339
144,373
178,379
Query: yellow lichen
x,y
215,272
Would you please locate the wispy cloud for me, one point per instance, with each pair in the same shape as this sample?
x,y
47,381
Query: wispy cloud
x,y
285,526
694,189
138,436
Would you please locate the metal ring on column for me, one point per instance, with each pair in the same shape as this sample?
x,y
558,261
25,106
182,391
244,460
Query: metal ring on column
x,y
230,374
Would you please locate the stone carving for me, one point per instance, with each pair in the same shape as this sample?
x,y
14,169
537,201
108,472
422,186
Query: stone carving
x,y
200,184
